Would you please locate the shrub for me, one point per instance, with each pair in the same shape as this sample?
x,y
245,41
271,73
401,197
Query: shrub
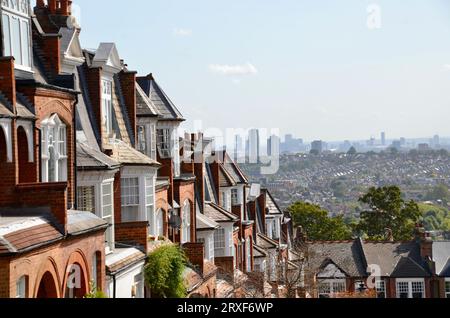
x,y
164,272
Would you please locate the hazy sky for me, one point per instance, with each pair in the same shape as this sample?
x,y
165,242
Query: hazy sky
x,y
310,67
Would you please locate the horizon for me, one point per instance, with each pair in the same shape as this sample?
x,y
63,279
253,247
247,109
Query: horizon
x,y
254,73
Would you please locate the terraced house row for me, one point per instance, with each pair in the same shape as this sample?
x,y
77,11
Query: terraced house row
x,y
95,176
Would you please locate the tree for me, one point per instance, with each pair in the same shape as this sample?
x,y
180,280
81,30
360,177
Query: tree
x,y
388,213
314,152
317,224
439,192
352,151
164,272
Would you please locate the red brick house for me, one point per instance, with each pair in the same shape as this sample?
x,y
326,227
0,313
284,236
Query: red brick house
x,y
47,248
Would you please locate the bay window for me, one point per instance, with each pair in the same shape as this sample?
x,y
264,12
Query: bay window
x,y
54,150
219,240
149,204
410,288
248,245
447,288
160,223
142,139
21,287
163,136
330,287
86,199
381,288
16,32
130,199
186,223
235,197
107,105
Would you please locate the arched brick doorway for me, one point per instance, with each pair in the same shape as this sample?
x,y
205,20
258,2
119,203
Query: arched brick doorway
x,y
47,287
76,285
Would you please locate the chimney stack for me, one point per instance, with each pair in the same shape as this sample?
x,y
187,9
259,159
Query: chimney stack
x,y
7,79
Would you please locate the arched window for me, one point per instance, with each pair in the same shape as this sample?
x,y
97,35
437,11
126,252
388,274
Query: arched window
x,y
186,225
54,150
160,223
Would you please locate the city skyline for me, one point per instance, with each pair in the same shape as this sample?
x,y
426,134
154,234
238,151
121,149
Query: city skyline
x,y
343,74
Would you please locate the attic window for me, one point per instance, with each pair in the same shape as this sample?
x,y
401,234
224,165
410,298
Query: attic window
x,y
16,39
54,150
107,105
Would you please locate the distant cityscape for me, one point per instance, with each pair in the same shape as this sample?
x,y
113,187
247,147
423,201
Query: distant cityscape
x,y
255,147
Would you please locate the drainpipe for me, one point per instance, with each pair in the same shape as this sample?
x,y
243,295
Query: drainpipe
x,y
74,125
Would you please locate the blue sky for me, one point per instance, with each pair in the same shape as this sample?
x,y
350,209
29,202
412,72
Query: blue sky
x,y
309,67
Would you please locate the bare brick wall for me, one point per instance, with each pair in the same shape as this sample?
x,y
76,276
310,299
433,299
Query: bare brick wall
x,y
132,233
7,79
195,252
55,259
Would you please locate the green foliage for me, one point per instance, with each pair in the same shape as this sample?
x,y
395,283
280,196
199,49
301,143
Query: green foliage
x,y
317,224
439,192
339,188
387,210
435,218
94,292
164,272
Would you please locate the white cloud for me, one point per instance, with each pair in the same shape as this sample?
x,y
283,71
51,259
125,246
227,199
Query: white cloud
x,y
233,70
182,32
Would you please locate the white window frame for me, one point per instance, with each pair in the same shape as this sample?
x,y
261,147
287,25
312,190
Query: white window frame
x,y
248,252
334,286
235,197
159,219
150,204
142,145
82,192
410,282
447,287
219,239
107,104
102,210
21,287
186,223
130,196
380,287
55,128
164,141
24,38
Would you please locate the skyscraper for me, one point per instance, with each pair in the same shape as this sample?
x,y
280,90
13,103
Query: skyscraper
x,y
253,146
383,138
273,145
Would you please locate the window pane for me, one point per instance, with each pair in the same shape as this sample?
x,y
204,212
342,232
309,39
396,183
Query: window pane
x,y
86,199
16,40
6,33
25,37
21,287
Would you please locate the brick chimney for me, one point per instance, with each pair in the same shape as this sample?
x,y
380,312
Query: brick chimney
x,y
261,201
128,83
215,171
57,7
7,79
195,252
426,243
51,44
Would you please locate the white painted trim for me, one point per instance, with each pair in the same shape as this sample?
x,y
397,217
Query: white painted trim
x,y
5,124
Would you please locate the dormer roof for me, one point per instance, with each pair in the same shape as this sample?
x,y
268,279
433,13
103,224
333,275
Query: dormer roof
x,y
107,57
70,46
159,98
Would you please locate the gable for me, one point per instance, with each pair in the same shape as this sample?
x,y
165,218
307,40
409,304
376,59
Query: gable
x,y
107,57
331,270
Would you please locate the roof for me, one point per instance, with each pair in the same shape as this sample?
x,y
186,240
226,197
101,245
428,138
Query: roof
x,y
122,258
441,256
346,255
22,230
162,183
273,207
204,223
218,214
159,99
144,106
91,159
4,110
233,169
396,259
266,242
259,252
79,222
225,179
126,154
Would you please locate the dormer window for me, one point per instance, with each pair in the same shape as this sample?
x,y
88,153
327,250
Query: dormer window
x,y
107,105
16,32
54,150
